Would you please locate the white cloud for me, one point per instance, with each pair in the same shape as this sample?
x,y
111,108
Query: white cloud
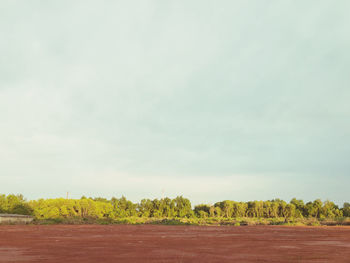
x,y
160,91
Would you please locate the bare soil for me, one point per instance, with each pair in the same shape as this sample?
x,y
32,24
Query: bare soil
x,y
159,243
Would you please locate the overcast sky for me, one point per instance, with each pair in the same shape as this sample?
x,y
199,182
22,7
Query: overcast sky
x,y
213,100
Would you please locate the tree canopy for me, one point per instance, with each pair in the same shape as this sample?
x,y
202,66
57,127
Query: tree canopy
x,y
179,207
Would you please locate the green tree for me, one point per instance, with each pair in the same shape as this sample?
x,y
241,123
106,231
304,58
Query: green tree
x,y
202,210
346,209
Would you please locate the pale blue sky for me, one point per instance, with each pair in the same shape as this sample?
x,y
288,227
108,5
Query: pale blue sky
x,y
212,100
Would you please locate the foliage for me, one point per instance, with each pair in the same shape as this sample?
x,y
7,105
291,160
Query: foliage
x,y
176,211
14,204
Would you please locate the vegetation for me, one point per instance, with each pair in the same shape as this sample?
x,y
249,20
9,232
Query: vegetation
x,y
176,211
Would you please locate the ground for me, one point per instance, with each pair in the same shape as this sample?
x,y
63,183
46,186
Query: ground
x,y
160,243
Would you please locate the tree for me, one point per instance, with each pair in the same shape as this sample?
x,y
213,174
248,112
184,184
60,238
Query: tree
x,y
202,210
300,210
346,209
183,207
178,207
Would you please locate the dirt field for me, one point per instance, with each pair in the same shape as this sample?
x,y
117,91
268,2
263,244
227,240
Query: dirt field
x,y
150,243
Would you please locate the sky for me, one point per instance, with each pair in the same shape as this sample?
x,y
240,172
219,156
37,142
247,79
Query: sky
x,y
212,100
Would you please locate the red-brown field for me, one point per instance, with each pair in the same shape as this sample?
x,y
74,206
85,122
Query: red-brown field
x,y
159,243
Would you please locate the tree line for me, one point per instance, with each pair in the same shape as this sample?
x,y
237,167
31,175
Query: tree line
x,y
178,207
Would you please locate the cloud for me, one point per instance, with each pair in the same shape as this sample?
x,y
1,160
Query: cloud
x,y
161,91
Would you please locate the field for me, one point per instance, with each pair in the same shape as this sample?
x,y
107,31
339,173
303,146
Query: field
x,y
159,243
